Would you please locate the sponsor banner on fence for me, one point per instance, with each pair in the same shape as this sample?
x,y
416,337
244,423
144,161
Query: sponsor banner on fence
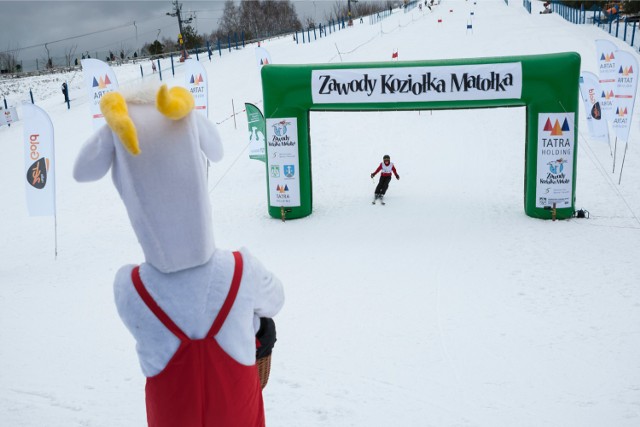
x,y
417,84
99,79
257,132
8,116
197,83
590,90
39,161
554,180
282,162
626,87
608,73
262,56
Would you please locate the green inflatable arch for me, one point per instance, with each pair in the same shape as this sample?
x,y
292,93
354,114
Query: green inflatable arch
x,y
547,85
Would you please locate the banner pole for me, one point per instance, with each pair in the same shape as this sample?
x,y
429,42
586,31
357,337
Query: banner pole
x,y
235,126
609,141
623,157
615,152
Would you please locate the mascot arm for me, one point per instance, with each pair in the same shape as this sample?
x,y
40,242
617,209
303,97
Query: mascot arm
x,y
96,156
210,142
269,294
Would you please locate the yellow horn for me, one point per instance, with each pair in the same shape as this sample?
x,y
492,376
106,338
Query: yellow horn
x,y
174,103
114,110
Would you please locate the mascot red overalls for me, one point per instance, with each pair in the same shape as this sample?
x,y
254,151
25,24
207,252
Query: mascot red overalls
x,y
192,308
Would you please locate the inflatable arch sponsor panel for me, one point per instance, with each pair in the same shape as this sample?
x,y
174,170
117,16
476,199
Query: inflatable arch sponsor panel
x,y
547,85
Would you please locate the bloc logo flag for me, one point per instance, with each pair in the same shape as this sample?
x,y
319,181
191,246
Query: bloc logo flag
x,y
99,79
197,83
39,161
589,90
608,66
625,93
262,56
257,133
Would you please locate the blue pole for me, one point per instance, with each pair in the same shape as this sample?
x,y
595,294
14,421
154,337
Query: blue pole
x,y
219,48
315,37
6,108
160,69
141,72
624,37
235,38
617,26
31,94
197,57
243,39
67,96
209,49
173,70
229,41
309,35
302,36
633,34
297,42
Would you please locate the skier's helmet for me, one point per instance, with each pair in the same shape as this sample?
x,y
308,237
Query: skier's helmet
x,y
386,157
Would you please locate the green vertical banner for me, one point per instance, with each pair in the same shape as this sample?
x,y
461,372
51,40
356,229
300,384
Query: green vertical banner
x,y
257,132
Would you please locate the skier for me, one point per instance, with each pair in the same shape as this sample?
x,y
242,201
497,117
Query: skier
x,y
387,169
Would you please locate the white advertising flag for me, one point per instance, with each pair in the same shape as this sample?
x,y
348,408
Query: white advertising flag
x,y
262,56
39,162
626,87
589,90
607,72
99,79
197,83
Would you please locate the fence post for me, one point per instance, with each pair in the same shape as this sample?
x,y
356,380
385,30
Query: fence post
x,y
633,34
243,39
617,26
197,56
66,88
141,72
624,37
297,42
160,69
309,35
302,31
31,95
315,37
173,70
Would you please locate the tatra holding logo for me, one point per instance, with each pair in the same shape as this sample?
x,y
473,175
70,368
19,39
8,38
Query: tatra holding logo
x,y
560,145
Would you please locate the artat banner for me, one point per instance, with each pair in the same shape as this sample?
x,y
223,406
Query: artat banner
x,y
99,79
257,132
262,56
282,162
197,83
8,116
626,87
589,90
39,161
607,73
556,145
413,84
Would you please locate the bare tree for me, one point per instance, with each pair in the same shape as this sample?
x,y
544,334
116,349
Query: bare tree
x,y
9,59
69,53
48,61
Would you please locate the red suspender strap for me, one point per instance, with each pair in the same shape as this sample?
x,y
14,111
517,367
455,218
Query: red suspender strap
x,y
231,297
154,307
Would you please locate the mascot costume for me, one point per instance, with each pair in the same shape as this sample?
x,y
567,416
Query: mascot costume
x,y
197,312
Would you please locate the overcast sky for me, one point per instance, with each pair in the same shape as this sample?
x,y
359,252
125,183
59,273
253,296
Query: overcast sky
x,y
29,24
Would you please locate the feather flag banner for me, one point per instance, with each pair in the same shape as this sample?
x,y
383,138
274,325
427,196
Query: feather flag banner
x,y
99,79
625,93
39,161
589,90
197,83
